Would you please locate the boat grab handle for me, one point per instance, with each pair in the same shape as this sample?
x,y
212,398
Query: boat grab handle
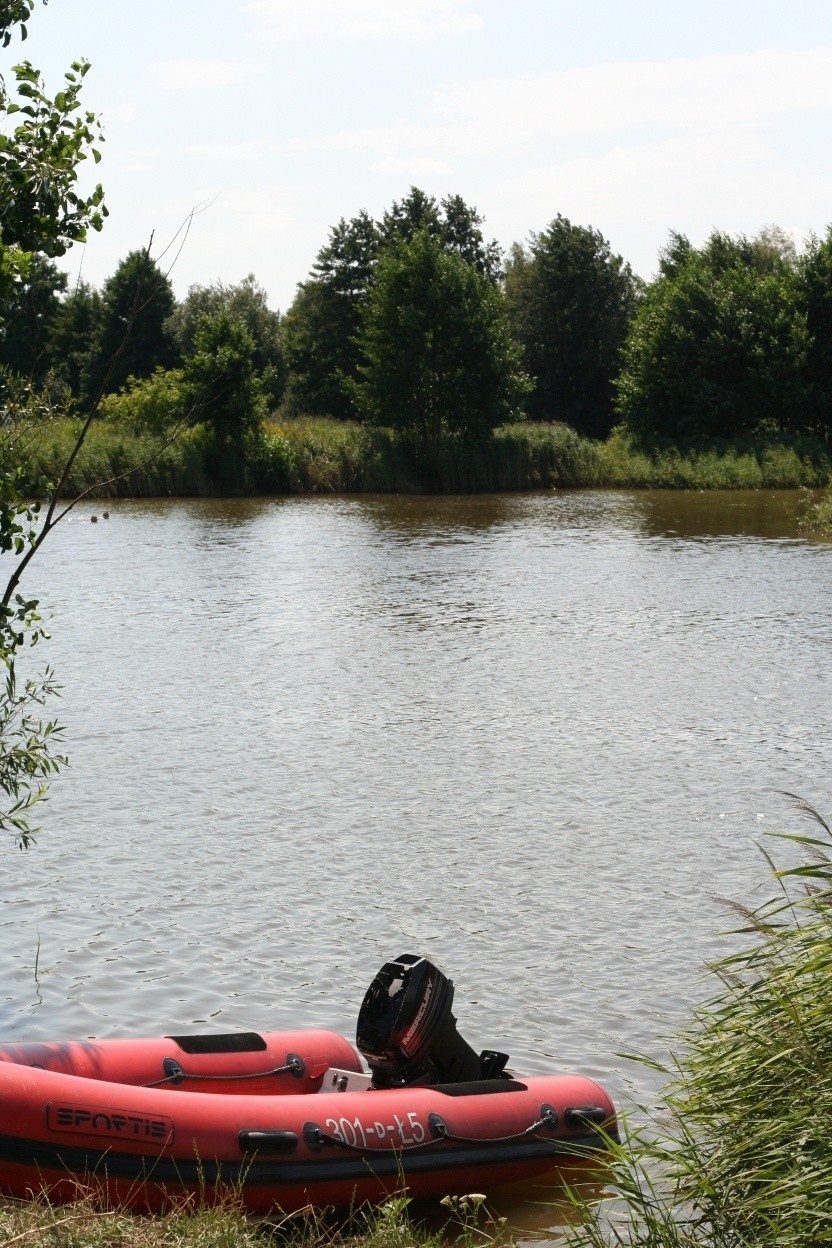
x,y
174,1073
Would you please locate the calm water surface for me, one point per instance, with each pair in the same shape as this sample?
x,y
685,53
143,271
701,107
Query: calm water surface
x,y
534,737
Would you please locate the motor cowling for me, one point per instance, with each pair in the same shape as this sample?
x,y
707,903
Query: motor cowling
x,y
407,1032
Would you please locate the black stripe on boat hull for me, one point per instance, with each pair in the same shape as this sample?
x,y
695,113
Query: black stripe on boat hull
x,y
341,1166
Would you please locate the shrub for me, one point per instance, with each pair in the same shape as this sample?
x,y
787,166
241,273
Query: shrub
x,y
153,404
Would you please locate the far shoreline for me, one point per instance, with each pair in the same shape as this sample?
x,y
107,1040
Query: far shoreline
x,y
320,455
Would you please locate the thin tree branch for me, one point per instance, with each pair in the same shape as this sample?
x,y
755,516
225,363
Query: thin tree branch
x,y
51,519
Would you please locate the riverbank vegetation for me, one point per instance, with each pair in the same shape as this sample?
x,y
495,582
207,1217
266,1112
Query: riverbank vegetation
x,y
416,356
460,1220
816,515
319,455
40,1225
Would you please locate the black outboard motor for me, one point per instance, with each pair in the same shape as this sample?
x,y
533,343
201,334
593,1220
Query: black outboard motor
x,y
407,1033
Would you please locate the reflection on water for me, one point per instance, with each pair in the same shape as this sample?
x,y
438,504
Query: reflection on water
x,y
538,1209
534,737
729,513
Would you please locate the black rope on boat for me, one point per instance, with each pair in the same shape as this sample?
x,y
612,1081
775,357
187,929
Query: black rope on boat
x,y
315,1137
175,1074
548,1118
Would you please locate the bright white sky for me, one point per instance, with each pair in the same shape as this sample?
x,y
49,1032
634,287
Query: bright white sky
x,y
633,116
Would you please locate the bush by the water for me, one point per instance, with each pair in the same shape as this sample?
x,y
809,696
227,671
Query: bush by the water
x,y
816,518
742,1156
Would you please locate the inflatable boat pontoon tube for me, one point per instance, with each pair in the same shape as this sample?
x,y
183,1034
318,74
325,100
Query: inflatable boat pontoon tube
x,y
144,1123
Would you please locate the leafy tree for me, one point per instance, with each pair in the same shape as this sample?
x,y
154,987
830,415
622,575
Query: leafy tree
x,y
717,347
27,741
156,404
345,265
131,336
675,254
248,303
570,301
25,343
453,223
42,145
417,212
814,293
461,233
73,329
317,352
324,320
437,355
226,393
14,13
41,149
774,249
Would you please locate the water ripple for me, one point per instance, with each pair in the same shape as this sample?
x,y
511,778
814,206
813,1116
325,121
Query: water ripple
x,y
533,737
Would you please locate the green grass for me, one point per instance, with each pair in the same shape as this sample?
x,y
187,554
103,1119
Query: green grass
x,y
764,464
319,455
742,1155
41,1225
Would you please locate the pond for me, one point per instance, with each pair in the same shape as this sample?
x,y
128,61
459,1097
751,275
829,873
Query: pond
x,y
536,738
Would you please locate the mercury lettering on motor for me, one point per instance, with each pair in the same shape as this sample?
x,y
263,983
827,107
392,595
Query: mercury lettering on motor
x,y
113,1123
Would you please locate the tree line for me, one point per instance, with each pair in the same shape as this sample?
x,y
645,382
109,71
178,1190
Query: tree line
x,y
417,321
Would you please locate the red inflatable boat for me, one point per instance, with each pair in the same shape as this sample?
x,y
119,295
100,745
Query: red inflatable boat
x,y
287,1119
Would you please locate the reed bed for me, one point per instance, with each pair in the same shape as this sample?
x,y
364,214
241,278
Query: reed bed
x,y
309,455
315,454
120,463
742,1154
